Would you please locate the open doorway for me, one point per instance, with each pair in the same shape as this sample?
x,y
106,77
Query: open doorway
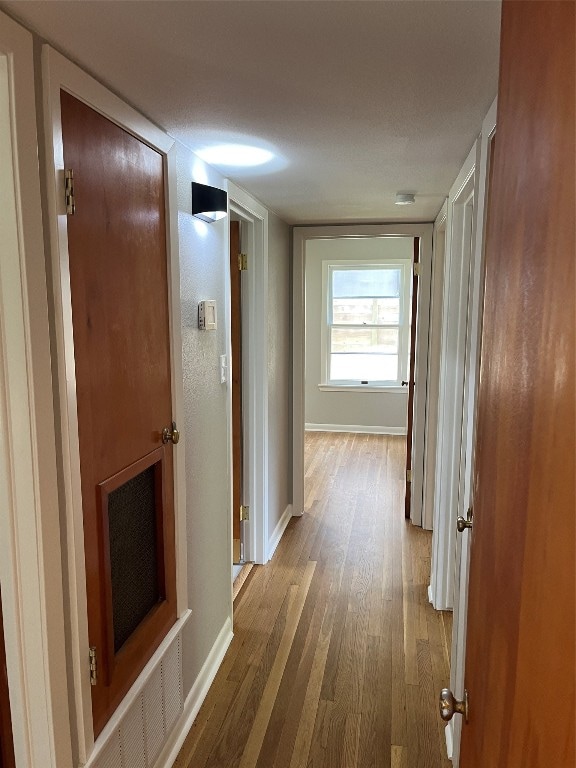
x,y
349,368
249,435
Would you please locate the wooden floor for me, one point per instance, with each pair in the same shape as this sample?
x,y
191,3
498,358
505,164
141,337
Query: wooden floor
x,y
337,658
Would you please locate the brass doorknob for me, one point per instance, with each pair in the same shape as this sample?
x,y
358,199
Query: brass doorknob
x,y
467,522
449,706
171,434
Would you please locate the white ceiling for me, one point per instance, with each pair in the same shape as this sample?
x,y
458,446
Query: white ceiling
x,y
358,99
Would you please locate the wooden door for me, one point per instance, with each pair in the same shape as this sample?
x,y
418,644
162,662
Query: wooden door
x,y
411,383
6,743
520,659
118,281
236,378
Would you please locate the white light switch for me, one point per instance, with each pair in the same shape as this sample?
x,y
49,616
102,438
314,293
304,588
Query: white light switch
x,y
207,315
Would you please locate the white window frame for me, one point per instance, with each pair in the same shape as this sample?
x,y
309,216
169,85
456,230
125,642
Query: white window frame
x,y
328,268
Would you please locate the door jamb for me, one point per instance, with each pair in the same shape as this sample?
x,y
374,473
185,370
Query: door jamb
x,y
301,235
465,499
254,374
59,73
30,552
435,335
451,384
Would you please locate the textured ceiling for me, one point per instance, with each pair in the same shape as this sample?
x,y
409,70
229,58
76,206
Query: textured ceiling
x,y
357,99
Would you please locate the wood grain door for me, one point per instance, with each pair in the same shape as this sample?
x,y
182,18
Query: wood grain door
x,y
6,743
520,658
118,281
411,382
236,377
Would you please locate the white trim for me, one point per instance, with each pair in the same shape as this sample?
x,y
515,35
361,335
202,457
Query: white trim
x,y
30,553
435,337
380,390
459,246
301,236
448,734
196,697
254,374
355,428
279,530
471,377
59,73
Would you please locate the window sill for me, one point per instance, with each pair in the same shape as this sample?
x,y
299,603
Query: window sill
x,y
363,388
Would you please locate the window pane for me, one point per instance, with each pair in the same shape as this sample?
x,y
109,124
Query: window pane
x,y
365,311
365,282
365,340
358,367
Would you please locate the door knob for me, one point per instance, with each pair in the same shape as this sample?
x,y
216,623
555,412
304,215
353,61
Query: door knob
x,y
449,706
171,434
463,523
405,383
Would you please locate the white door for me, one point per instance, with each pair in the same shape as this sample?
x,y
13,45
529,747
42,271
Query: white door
x,y
466,463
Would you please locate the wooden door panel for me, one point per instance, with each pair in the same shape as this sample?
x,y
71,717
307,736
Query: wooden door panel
x,y
520,660
118,281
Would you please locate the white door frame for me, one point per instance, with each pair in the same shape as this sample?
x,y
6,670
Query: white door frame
x,y
459,248
465,490
435,338
254,374
30,552
301,236
59,73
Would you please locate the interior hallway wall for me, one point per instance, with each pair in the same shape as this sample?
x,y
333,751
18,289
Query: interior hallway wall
x,y
203,275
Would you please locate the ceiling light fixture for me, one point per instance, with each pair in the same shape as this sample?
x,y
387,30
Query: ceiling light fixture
x,y
208,203
405,198
235,155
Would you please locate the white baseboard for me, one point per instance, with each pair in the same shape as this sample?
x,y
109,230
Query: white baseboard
x,y
196,697
279,530
358,428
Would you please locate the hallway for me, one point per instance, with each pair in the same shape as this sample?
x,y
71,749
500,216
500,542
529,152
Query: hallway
x,y
337,658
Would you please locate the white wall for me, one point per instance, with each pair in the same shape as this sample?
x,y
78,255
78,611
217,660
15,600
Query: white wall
x,y
203,271
381,411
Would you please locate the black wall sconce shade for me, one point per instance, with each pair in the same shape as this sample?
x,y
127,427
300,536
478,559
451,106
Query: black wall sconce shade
x,y
208,203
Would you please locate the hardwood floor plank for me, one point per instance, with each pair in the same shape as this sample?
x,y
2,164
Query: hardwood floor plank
x,y
337,656
297,599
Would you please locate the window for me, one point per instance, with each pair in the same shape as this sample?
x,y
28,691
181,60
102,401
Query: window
x,y
367,321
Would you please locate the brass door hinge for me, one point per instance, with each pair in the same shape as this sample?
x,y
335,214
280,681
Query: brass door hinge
x,y
242,261
69,191
93,665
408,475
244,513
417,269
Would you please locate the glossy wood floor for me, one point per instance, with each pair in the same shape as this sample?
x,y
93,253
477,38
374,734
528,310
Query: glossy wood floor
x,y
338,658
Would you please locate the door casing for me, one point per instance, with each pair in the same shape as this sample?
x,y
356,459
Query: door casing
x,y
254,218
30,548
58,73
465,489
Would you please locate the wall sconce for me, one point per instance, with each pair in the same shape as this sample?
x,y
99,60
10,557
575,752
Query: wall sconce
x,y
208,203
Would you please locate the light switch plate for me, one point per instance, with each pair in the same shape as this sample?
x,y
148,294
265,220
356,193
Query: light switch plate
x,y
207,315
